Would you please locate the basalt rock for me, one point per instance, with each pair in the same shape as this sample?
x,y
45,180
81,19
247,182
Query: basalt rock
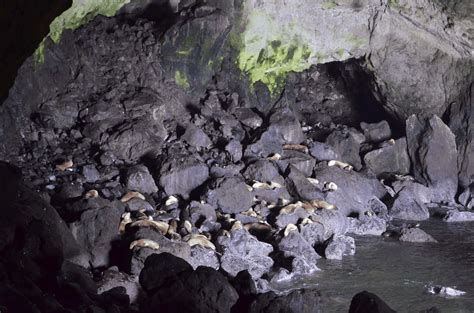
x,y
390,159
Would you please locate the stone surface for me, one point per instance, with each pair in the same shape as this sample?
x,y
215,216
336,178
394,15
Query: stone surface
x,y
339,247
346,144
376,132
366,302
407,206
230,195
416,235
139,179
457,216
389,159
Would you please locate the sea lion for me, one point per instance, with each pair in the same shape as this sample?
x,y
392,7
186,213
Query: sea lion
x,y
171,200
161,227
300,148
289,229
91,194
145,243
330,186
126,219
66,165
321,204
198,239
132,194
342,165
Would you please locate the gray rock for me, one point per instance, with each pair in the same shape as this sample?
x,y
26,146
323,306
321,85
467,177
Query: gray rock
x,y
367,225
263,171
271,196
459,216
230,195
195,137
389,159
270,142
313,233
248,117
286,127
322,152
112,278
90,172
465,196
235,150
300,187
243,251
200,212
301,301
339,247
136,204
201,256
346,143
407,206
416,235
421,192
180,175
284,219
305,257
379,208
303,162
334,223
71,190
433,154
139,179
376,132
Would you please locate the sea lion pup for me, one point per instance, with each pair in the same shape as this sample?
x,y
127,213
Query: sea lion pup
x,y
66,165
306,221
91,194
321,204
261,227
171,200
126,219
313,181
330,186
289,229
342,165
274,157
250,212
188,227
266,186
173,230
237,225
290,208
131,195
159,226
145,243
300,148
200,240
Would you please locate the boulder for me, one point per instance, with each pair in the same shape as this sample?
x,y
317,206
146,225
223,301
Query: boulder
x,y
407,206
286,126
298,301
459,216
366,302
376,132
138,178
300,187
303,162
230,195
416,235
339,247
389,159
263,171
322,151
304,256
346,144
195,137
367,225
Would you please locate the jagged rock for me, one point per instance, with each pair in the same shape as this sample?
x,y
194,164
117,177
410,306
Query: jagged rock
x,y
113,278
334,223
270,142
71,190
313,233
459,216
243,251
303,162
379,208
366,302
322,152
300,187
367,225
389,159
90,172
407,206
284,219
137,204
139,179
421,192
346,144
376,132
200,213
248,117
355,190
195,137
433,154
230,195
340,246
180,175
286,126
303,254
416,235
301,301
263,171
235,150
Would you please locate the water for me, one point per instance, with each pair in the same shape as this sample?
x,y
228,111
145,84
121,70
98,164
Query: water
x,y
398,272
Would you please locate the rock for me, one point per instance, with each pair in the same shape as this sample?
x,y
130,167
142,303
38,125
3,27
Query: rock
x,y
200,213
180,175
71,190
367,225
433,154
94,233
243,251
376,132
355,190
340,246
234,148
137,204
270,142
465,196
195,137
389,159
366,302
379,208
416,235
283,219
286,126
407,206
230,195
303,254
90,173
201,256
263,171
303,162
139,179
419,191
248,117
346,144
301,301
300,187
313,233
334,223
113,278
173,286
459,216
322,152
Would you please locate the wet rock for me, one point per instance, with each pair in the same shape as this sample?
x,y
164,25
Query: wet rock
x,y
459,216
334,223
90,173
180,175
230,195
113,278
389,159
303,162
248,117
94,233
139,179
416,235
407,206
367,225
301,301
355,190
322,152
303,254
420,192
366,302
433,154
376,132
195,137
300,187
272,195
313,233
465,196
346,143
339,247
243,251
201,256
263,171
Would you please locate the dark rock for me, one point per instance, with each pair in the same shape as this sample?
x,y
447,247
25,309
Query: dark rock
x,y
286,126
366,302
195,137
389,159
180,175
367,225
303,162
322,152
113,278
263,171
420,192
272,195
379,208
334,222
137,204
90,173
248,117
459,216
313,233
304,256
268,143
300,187
416,235
376,132
284,218
407,206
230,195
299,301
346,144
71,190
235,150
200,213
243,251
433,154
339,247
139,179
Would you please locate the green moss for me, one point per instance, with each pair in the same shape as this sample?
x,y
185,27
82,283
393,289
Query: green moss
x,y
340,52
328,5
181,79
39,54
355,41
269,51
